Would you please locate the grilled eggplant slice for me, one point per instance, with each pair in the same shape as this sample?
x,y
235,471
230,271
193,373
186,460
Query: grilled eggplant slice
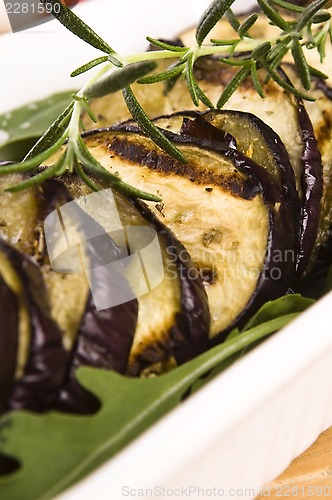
x,y
173,317
92,337
188,336
68,292
312,184
177,335
18,225
251,136
38,371
226,210
259,142
24,228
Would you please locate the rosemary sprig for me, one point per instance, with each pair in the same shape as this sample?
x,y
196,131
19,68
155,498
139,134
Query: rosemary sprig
x,y
299,27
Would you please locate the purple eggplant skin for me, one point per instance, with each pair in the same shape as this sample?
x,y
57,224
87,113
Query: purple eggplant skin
x,y
312,188
103,341
44,372
9,317
201,129
312,185
190,333
8,465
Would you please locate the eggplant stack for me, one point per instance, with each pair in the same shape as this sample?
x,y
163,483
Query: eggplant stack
x,y
244,218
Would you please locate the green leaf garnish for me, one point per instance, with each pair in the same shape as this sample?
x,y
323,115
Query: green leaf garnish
x,y
195,91
21,127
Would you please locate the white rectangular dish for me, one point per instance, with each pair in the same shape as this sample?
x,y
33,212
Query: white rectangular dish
x,y
244,427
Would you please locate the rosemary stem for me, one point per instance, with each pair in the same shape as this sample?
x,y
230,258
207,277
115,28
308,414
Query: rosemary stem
x,y
199,51
153,55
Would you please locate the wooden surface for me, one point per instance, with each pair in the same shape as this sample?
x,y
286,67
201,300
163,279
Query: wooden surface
x,y
309,476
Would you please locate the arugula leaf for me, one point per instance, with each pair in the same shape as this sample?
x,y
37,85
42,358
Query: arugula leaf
x,y
210,17
55,449
272,310
22,127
